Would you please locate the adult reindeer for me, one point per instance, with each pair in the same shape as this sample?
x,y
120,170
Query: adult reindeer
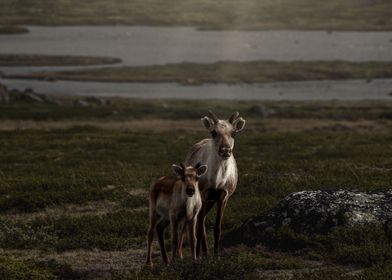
x,y
220,181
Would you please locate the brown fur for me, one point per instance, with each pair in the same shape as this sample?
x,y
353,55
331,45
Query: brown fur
x,y
163,185
175,201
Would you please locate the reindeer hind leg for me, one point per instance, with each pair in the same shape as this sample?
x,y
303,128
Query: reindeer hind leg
x,y
161,226
150,236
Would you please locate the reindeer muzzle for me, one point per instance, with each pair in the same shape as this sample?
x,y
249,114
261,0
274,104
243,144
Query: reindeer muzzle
x,y
224,152
190,191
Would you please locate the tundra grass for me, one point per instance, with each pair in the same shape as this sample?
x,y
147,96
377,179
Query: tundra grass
x,y
12,269
43,171
126,109
223,14
53,60
225,72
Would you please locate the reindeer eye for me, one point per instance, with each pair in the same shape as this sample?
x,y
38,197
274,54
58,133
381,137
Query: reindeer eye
x,y
214,134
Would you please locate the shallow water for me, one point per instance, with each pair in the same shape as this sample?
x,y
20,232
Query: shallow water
x,y
158,45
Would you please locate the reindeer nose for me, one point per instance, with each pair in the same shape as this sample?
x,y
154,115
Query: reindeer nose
x,y
190,191
225,150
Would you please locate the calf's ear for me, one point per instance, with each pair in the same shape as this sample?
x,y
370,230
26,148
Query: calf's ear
x,y
201,170
178,170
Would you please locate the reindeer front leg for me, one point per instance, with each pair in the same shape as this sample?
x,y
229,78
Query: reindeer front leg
x,y
201,227
174,233
221,205
181,230
192,237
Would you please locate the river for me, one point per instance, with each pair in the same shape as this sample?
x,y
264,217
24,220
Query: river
x,y
160,45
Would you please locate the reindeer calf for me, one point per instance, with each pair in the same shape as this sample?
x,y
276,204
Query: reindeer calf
x,y
175,201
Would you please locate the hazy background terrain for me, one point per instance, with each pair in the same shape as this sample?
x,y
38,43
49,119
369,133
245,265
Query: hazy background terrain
x,y
98,98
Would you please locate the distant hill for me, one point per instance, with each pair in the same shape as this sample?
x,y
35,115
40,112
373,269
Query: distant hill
x,y
206,14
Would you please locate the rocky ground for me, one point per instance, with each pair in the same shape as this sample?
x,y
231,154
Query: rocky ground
x,y
28,95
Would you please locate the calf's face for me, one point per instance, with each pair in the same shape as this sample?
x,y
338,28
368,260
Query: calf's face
x,y
190,176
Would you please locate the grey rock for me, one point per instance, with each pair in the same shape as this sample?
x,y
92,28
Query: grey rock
x,y
81,103
262,111
310,212
94,100
4,95
91,101
28,95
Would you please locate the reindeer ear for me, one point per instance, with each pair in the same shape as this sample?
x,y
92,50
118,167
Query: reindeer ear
x,y
201,170
207,122
239,124
233,117
178,170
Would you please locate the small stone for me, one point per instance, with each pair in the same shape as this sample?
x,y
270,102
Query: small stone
x,y
261,111
81,103
4,95
94,100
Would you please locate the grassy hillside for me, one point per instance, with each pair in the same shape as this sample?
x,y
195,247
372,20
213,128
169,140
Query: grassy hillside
x,y
222,14
74,196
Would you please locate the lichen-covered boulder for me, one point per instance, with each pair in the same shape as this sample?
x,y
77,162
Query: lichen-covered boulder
x,y
310,212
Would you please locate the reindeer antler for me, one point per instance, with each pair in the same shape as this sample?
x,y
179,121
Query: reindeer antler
x,y
233,117
213,116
